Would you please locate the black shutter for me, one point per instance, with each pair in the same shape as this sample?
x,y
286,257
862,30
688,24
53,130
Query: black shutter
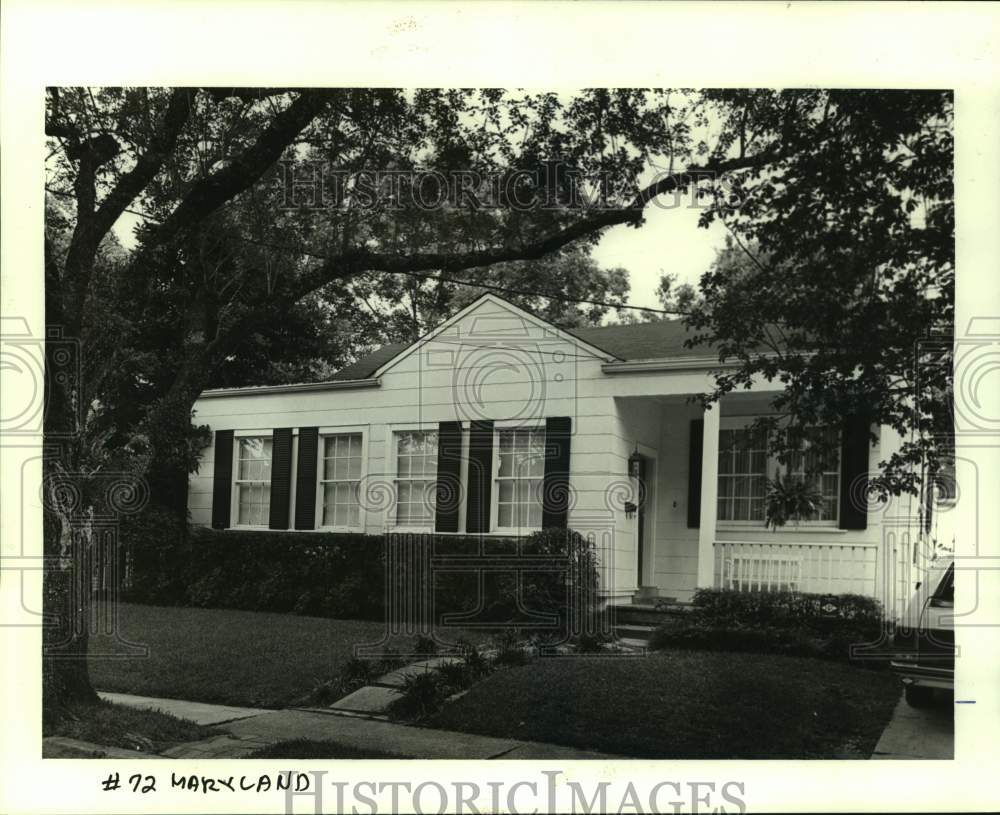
x,y
854,447
555,486
281,477
305,478
694,472
477,506
222,479
449,477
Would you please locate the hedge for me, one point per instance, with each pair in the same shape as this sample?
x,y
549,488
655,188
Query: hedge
x,y
344,575
822,611
792,623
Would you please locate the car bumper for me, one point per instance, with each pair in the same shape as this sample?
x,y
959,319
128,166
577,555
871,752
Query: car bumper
x,y
924,676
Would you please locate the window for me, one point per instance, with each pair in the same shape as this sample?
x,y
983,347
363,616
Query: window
x,y
521,466
745,467
825,477
416,476
253,481
742,475
341,475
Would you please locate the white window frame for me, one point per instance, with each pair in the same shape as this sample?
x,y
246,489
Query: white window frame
x,y
325,433
235,481
742,422
495,527
393,471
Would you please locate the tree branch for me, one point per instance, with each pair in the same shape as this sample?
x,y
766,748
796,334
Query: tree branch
x,y
210,193
355,261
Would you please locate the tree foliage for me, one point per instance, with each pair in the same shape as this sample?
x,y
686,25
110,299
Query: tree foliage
x,y
839,276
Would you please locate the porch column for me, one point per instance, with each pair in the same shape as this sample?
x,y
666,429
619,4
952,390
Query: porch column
x,y
709,505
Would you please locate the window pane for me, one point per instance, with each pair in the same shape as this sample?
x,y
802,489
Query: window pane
x,y
251,447
725,509
537,465
506,491
741,509
506,465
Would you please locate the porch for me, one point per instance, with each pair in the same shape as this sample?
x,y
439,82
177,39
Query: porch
x,y
696,530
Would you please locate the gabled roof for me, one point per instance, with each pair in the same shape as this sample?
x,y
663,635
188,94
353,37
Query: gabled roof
x,y
363,367
615,345
367,365
657,340
642,341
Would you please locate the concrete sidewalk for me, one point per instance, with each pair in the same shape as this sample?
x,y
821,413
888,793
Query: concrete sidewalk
x,y
918,733
249,729
197,712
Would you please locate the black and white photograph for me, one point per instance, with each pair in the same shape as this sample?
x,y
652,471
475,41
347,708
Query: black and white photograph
x,y
599,424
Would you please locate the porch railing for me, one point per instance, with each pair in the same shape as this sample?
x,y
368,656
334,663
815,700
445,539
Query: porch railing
x,y
826,568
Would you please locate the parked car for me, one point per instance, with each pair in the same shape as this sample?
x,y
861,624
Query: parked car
x,y
924,642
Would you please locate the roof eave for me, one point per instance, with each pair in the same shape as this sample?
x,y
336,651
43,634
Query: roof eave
x,y
665,364
303,387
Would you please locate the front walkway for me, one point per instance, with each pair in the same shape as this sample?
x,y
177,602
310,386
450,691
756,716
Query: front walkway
x,y
197,712
249,729
918,733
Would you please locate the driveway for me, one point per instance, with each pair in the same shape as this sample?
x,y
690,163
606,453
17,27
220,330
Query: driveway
x,y
919,733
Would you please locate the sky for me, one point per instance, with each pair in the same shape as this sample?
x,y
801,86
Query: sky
x,y
670,241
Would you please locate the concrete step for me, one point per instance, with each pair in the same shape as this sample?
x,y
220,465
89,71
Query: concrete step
x,y
647,614
633,644
635,631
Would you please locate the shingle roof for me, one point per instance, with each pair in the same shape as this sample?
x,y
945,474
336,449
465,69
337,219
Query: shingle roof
x,y
628,342
641,341
366,366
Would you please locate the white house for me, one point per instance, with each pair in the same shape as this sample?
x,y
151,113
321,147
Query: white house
x,y
526,425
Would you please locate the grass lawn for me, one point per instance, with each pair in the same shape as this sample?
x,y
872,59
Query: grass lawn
x,y
304,748
148,731
245,658
684,705
228,657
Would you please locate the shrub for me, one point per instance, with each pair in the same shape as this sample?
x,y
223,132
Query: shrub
x,y
343,575
154,540
425,646
456,676
355,674
423,694
476,665
592,643
726,606
780,622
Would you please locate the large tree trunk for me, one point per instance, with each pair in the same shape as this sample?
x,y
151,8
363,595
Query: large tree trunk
x,y
67,537
67,593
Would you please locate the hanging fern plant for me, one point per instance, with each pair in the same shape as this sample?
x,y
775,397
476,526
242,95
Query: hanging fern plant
x,y
790,499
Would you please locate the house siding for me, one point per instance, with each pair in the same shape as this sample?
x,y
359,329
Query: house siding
x,y
494,364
